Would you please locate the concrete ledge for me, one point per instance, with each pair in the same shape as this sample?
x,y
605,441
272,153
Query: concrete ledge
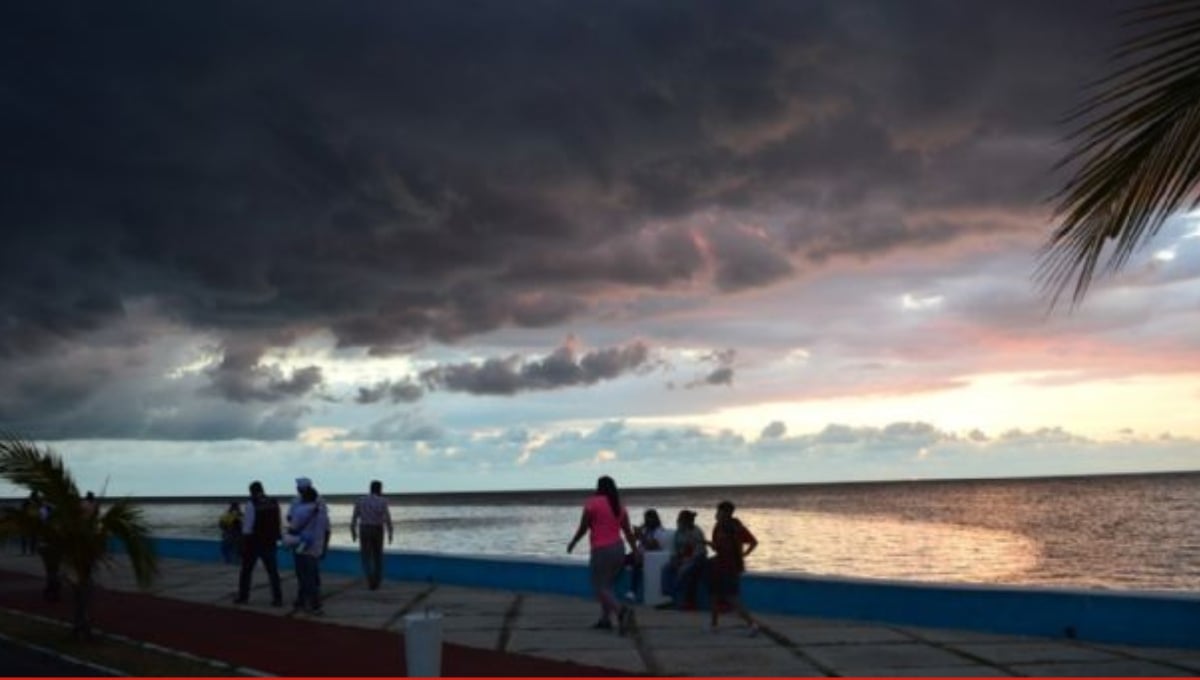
x,y
1159,619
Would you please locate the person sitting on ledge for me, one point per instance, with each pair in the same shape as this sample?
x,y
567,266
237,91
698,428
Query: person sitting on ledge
x,y
689,554
651,536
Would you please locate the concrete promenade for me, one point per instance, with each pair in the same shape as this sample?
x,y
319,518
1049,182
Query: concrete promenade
x,y
556,628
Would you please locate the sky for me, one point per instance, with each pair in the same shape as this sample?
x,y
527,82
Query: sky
x,y
498,245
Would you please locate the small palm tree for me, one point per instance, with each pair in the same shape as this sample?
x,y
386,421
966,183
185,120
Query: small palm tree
x,y
1137,149
78,535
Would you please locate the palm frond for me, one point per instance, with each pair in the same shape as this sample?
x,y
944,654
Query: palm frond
x,y
80,536
1137,148
26,465
125,522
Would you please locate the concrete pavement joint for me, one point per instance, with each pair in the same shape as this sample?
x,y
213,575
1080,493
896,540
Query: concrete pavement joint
x,y
644,651
334,592
1134,657
510,617
417,599
974,658
325,597
263,586
786,642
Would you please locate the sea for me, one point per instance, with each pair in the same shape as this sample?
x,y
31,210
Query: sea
x,y
1124,532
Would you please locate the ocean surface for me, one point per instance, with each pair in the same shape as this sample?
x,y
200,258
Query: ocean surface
x,y
1138,532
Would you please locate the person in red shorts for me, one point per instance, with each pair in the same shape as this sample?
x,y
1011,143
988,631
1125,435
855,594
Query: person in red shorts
x,y
731,543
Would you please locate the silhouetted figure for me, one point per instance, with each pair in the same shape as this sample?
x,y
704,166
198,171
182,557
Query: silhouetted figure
x,y
88,506
30,510
689,555
50,551
371,515
260,534
606,520
651,536
731,543
230,525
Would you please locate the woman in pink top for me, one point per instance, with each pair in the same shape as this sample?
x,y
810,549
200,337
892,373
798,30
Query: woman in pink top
x,y
604,517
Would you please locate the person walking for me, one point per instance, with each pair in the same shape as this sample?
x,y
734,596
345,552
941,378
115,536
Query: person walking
x,y
31,509
89,505
260,534
308,525
732,542
605,519
370,516
50,550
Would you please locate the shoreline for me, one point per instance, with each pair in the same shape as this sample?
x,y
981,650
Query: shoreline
x,y
556,496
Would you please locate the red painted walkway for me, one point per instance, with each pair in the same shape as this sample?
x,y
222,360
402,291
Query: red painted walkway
x,y
273,644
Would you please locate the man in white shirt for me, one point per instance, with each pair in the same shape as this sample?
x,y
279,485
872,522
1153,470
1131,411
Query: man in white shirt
x,y
371,515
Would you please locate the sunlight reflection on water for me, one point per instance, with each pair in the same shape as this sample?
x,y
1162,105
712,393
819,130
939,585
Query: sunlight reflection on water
x,y
789,542
887,548
1136,532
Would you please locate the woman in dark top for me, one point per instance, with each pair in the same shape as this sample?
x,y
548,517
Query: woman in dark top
x,y
731,543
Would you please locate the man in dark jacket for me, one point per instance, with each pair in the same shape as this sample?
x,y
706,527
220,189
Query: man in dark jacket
x,y
260,534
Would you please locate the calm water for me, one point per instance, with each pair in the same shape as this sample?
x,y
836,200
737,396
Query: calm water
x,y
1129,532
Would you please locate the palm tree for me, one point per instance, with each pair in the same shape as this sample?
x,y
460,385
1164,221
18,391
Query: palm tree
x,y
76,535
1136,153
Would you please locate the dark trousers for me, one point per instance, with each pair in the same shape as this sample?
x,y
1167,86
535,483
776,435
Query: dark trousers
x,y
681,582
231,547
253,552
636,572
370,549
308,583
51,561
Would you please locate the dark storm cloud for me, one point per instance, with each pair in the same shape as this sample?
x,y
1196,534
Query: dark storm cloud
x,y
747,260
562,368
242,377
721,375
86,398
396,172
397,392
653,258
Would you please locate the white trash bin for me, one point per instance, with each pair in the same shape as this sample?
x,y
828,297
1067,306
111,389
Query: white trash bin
x,y
423,644
652,564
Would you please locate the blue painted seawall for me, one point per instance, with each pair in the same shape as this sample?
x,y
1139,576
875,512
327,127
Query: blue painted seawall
x,y
1136,618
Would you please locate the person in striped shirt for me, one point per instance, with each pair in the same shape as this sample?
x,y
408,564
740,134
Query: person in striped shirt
x,y
371,515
